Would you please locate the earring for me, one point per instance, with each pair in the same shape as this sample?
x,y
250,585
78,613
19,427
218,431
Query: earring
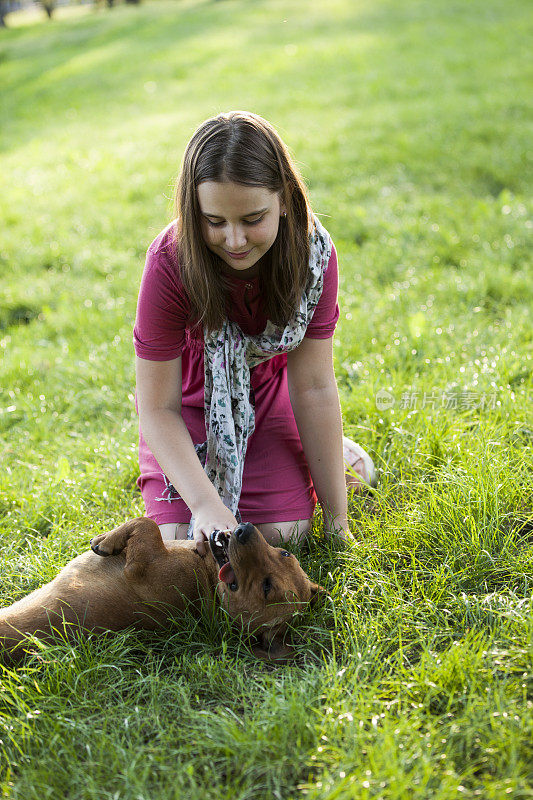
x,y
284,215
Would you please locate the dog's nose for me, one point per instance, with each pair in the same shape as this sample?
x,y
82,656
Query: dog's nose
x,y
243,532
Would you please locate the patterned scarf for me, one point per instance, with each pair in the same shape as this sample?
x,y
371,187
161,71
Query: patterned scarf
x,y
229,354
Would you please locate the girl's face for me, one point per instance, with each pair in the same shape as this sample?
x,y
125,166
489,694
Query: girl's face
x,y
239,223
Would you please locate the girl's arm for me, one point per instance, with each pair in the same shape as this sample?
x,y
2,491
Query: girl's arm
x,y
315,403
165,432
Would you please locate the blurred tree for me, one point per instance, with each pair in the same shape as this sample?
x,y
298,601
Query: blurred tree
x,y
48,6
4,8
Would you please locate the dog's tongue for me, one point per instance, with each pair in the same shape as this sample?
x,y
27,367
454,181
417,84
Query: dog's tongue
x,y
226,573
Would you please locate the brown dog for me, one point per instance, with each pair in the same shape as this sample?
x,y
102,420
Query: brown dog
x,y
146,581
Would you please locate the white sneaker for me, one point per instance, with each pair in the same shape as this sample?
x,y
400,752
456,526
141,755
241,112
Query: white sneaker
x,y
360,470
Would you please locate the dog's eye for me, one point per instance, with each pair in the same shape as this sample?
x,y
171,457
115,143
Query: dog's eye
x,y
284,553
267,586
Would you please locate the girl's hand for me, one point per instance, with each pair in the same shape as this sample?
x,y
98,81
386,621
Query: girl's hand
x,y
338,527
345,534
211,519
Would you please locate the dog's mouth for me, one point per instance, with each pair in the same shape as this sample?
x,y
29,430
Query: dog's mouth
x,y
219,544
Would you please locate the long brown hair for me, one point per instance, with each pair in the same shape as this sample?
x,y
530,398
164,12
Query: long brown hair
x,y
244,148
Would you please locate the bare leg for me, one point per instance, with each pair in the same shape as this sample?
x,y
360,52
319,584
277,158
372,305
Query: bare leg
x,y
174,530
168,531
181,530
278,532
274,532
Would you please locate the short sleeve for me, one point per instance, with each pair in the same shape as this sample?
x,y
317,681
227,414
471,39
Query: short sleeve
x,y
163,306
324,320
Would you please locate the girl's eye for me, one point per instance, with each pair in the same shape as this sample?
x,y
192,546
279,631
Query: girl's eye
x,y
246,222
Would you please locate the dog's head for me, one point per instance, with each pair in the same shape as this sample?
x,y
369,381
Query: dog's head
x,y
261,587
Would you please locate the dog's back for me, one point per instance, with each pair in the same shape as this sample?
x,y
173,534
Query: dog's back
x,y
66,600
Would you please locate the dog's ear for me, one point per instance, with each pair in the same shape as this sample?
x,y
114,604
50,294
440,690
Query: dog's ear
x,y
318,594
271,647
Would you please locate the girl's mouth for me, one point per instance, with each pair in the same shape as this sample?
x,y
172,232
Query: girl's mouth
x,y
238,255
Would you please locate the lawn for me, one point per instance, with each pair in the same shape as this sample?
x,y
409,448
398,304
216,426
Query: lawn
x,y
410,123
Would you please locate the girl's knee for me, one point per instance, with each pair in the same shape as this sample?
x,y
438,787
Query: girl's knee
x,y
278,532
274,532
174,530
168,531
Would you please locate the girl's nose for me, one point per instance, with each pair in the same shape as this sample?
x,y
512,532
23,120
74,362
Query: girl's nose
x,y
235,238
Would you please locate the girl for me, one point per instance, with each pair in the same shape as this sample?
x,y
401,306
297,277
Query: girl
x,y
233,339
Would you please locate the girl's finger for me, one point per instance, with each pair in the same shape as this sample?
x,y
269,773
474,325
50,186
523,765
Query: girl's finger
x,y
200,541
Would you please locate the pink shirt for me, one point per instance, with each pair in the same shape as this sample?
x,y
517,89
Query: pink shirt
x,y
161,332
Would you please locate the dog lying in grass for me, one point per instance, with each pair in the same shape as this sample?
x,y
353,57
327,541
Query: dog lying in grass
x,y
130,577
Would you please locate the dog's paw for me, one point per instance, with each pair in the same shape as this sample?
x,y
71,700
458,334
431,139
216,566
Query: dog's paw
x,y
101,547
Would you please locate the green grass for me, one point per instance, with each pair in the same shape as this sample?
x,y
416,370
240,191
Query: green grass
x,y
409,121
